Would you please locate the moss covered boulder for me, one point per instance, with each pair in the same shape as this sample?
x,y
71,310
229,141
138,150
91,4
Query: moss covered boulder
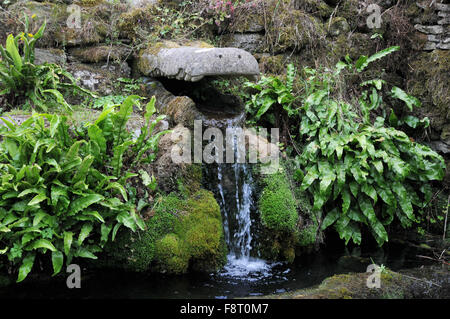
x,y
279,218
182,234
426,282
428,80
64,27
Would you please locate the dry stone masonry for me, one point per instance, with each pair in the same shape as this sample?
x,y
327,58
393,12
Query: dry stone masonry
x,y
439,33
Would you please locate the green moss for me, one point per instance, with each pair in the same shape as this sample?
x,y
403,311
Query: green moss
x,y
190,181
172,255
278,213
89,3
307,236
277,204
202,231
180,234
136,251
428,80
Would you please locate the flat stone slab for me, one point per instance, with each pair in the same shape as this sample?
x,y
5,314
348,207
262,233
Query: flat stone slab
x,y
194,63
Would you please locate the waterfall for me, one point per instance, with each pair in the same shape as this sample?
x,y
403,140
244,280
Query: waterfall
x,y
235,194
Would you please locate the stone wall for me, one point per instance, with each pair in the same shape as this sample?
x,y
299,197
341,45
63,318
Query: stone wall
x,y
438,27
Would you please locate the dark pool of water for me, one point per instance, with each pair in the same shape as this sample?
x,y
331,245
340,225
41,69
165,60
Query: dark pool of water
x,y
308,271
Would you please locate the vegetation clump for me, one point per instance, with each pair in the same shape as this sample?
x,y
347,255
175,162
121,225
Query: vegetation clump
x,y
63,191
27,84
279,217
181,234
358,168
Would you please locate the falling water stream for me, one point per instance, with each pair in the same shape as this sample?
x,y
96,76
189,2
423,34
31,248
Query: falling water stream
x,y
235,192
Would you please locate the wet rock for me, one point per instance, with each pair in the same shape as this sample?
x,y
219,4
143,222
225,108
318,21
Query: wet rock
x,y
440,147
192,63
182,110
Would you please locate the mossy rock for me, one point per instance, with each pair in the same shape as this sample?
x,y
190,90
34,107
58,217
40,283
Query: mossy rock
x,y
277,204
279,218
337,26
171,254
95,54
428,80
136,251
182,234
315,7
93,25
294,30
393,285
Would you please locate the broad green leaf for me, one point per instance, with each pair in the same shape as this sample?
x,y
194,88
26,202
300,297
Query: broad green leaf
x,y
25,268
42,243
330,218
83,202
310,177
84,233
68,237
403,199
37,199
57,261
409,100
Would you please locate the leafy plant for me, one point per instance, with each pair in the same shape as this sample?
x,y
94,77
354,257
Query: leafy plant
x,y
357,171
64,197
22,81
271,91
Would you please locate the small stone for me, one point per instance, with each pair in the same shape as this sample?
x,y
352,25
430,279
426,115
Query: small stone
x,y
442,7
444,21
50,56
443,46
434,29
446,40
429,46
434,38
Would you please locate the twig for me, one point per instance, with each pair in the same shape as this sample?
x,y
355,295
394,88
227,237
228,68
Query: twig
x,y
427,281
434,259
